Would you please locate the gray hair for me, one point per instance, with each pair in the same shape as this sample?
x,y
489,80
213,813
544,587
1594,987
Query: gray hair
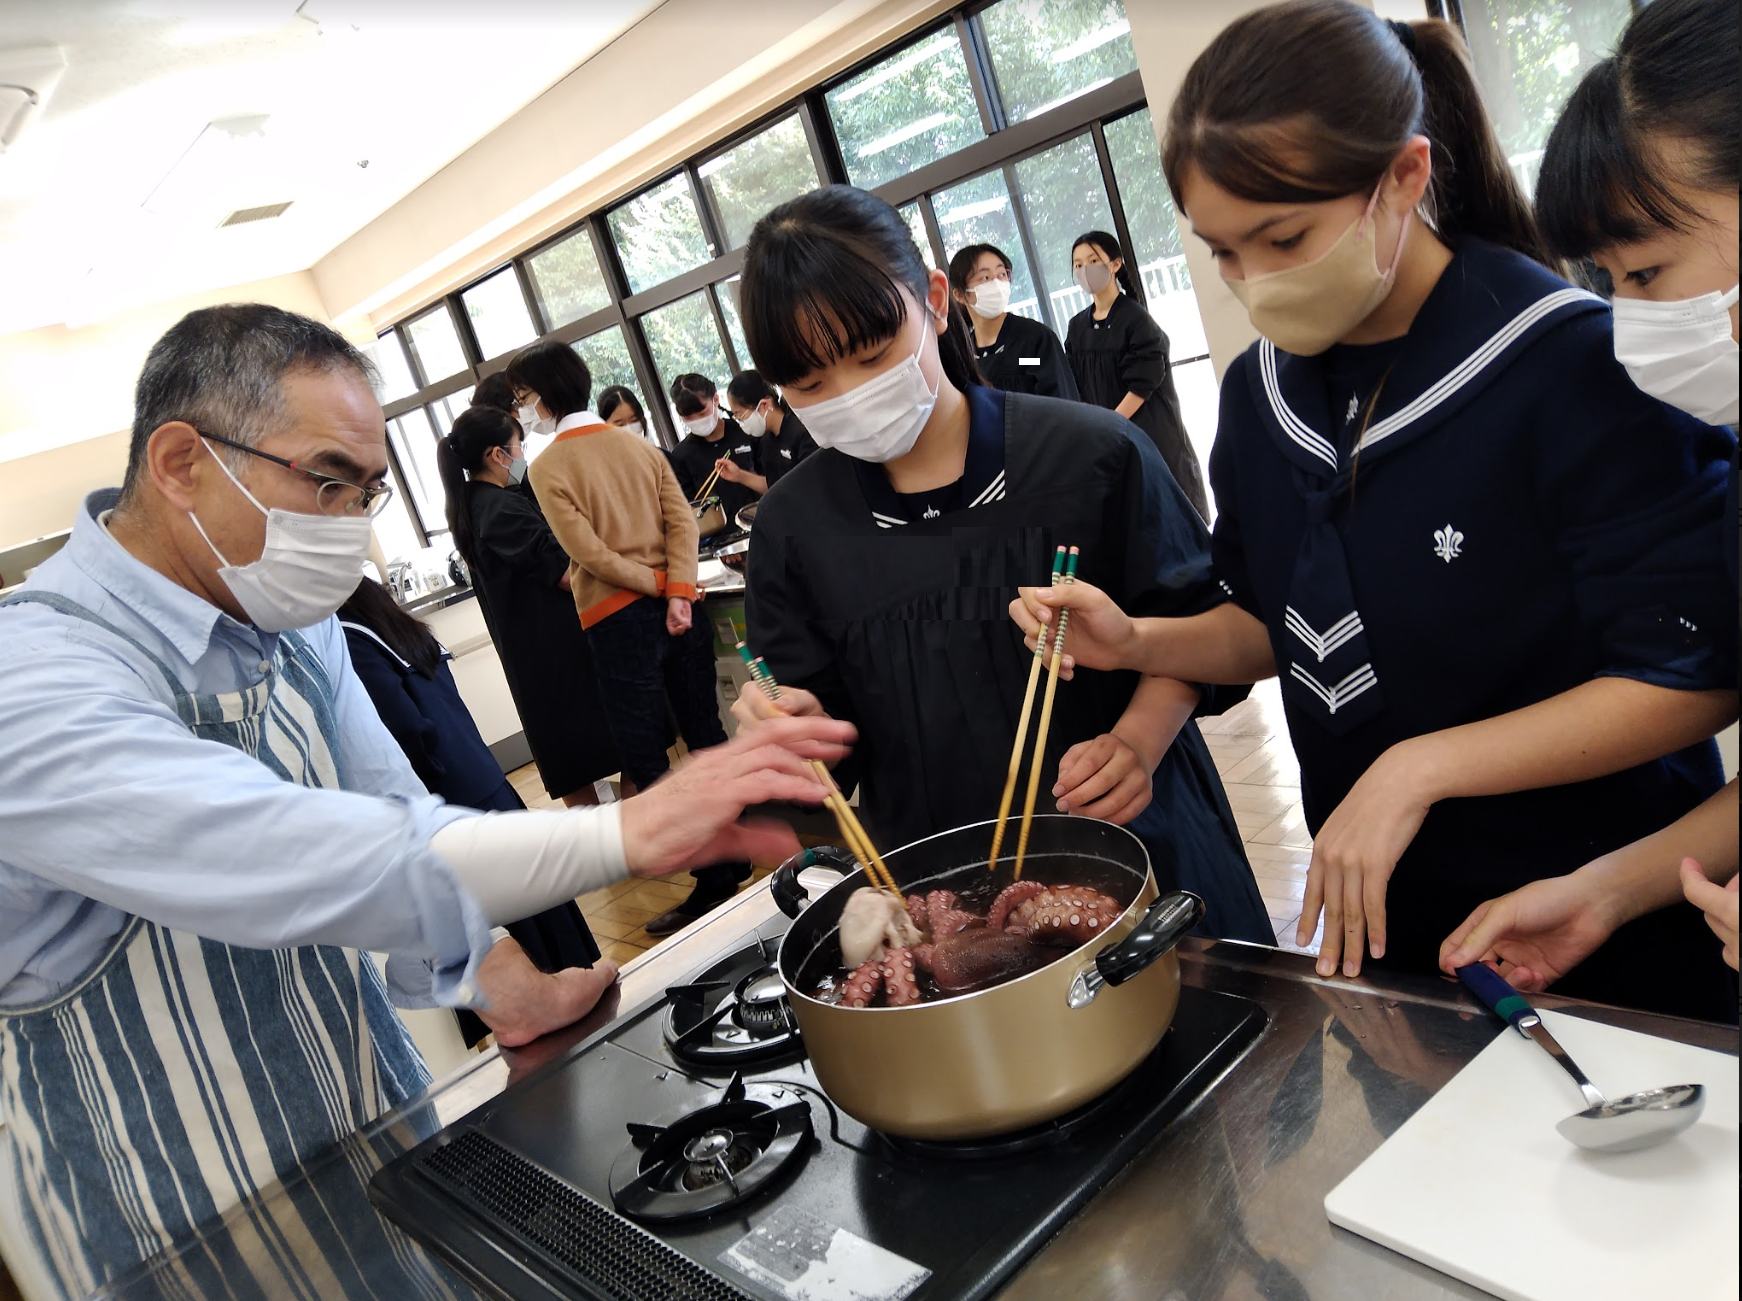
x,y
220,370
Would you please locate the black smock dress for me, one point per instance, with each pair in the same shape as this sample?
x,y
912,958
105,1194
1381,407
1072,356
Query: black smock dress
x,y
1128,353
435,729
1516,519
1026,357
544,653
895,612
782,452
694,460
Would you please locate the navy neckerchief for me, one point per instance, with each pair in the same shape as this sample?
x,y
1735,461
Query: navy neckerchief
x,y
1489,306
982,478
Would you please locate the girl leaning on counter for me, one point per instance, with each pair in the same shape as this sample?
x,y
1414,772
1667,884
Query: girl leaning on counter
x,y
1487,567
880,567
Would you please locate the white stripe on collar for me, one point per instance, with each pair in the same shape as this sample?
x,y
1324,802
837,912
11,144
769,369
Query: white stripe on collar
x,y
994,490
1334,637
1358,683
1435,395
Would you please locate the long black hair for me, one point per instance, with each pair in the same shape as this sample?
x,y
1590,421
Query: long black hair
x,y
495,391
1313,100
557,374
822,278
462,453
615,396
1604,180
372,607
1111,249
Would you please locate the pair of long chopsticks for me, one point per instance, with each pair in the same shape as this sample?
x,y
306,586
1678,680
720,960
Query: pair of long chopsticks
x,y
708,485
1052,685
852,830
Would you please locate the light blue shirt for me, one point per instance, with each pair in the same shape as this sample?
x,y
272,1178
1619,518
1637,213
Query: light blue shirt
x,y
110,806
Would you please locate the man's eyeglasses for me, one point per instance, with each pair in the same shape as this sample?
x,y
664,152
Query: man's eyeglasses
x,y
332,496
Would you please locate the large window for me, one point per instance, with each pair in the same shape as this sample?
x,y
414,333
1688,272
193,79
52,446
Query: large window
x,y
659,234
1047,52
1529,54
909,110
749,179
1029,125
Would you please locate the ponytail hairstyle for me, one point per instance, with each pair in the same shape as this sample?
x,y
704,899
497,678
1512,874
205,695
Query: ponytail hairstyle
x,y
615,396
476,430
1312,100
557,374
749,389
495,391
1673,80
690,393
1112,250
372,607
822,279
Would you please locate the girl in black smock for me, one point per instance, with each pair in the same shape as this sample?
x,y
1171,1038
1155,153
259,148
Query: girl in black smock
x,y
1485,566
520,572
1013,353
891,608
1120,358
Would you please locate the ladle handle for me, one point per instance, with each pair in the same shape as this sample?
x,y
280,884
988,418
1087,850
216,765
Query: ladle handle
x,y
1504,1001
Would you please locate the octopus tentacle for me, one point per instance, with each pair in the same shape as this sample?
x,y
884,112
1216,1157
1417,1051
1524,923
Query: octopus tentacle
x,y
917,910
1009,898
899,986
922,956
948,917
1066,915
864,984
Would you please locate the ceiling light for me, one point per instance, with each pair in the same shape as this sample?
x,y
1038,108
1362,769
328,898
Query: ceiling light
x,y
215,173
27,79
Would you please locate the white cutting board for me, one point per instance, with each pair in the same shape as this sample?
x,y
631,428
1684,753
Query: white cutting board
x,y
1479,1184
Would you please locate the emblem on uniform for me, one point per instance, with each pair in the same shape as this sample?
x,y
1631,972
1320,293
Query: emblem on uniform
x,y
1354,406
932,512
1448,543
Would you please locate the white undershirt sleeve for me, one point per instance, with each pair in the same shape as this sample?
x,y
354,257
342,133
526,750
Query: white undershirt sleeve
x,y
518,864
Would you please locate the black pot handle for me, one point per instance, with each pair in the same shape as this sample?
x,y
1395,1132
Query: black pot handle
x,y
791,897
1156,933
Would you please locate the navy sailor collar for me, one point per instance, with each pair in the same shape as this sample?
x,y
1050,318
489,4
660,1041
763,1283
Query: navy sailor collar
x,y
1490,304
982,478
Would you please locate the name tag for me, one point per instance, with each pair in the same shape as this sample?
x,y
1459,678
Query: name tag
x,y
1028,361
736,451
786,454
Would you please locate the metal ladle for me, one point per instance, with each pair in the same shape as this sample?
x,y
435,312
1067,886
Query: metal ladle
x,y
1639,1120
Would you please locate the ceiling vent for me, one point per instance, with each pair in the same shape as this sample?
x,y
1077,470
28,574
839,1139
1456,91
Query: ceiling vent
x,y
266,212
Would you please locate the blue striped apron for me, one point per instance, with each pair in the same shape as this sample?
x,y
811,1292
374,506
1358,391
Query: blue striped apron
x,y
180,1077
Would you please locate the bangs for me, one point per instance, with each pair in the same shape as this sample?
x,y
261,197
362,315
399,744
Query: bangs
x,y
812,296
1598,186
1289,161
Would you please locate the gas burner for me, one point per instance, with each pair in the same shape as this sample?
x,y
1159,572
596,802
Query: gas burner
x,y
714,1157
732,1014
1046,1134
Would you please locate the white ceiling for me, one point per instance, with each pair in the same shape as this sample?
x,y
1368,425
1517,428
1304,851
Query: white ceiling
x,y
406,85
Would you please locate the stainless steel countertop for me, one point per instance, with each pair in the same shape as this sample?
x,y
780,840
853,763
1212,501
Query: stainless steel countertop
x,y
1228,1203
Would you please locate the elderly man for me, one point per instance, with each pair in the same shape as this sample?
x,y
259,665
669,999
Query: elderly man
x,y
202,820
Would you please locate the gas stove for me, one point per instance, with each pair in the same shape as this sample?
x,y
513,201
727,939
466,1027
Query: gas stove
x,y
687,1153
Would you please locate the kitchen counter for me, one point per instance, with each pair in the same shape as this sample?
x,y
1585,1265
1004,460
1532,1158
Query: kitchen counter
x,y
1228,1202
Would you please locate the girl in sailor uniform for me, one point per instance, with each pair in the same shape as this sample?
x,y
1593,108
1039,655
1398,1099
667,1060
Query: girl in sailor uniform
x,y
880,569
1485,566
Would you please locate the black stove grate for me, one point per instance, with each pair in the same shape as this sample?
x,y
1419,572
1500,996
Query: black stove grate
x,y
604,1251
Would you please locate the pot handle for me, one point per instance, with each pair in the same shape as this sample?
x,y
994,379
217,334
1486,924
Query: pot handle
x,y
1162,927
791,897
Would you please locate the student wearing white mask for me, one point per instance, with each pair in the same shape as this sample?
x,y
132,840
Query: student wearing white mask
x,y
879,569
763,413
1640,177
203,823
1121,360
1484,565
712,441
619,406
1014,353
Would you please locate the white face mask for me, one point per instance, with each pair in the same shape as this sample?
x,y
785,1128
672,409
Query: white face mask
x,y
991,299
309,566
533,423
702,426
516,468
636,427
882,418
755,424
1681,353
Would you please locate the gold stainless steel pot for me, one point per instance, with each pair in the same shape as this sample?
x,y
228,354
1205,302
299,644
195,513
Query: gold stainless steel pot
x,y
710,516
1013,1055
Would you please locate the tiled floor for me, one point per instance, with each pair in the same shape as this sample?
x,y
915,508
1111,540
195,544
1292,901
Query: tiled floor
x,y
1250,744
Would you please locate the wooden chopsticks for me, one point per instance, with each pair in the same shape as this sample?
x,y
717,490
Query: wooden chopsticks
x,y
852,831
1052,685
707,485
1058,565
